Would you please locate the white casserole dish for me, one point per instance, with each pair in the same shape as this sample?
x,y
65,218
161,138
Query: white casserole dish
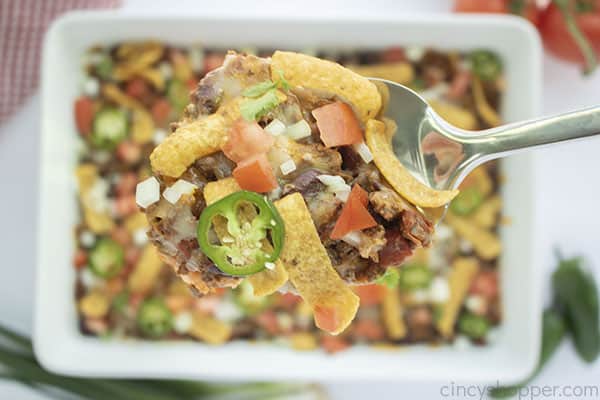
x,y
61,348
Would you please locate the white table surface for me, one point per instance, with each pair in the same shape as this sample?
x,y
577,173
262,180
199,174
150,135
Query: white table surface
x,y
567,177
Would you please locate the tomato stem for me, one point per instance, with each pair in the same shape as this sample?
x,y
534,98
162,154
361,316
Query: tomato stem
x,y
584,45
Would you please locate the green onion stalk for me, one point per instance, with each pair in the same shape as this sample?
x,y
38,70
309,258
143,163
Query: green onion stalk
x,y
18,364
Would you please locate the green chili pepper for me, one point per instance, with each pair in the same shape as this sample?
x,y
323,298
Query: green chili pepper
x,y
467,201
414,276
576,295
553,332
247,301
241,251
106,258
104,67
120,301
154,319
485,64
178,94
474,326
110,128
391,278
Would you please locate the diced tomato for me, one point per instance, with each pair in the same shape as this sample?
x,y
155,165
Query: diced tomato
x,y
370,295
126,184
125,205
192,83
326,318
485,284
355,215
288,300
84,115
268,321
246,139
120,235
137,88
135,299
132,255
368,329
206,304
161,110
177,303
80,258
397,248
459,84
212,61
255,174
394,54
129,152
333,344
338,124
114,285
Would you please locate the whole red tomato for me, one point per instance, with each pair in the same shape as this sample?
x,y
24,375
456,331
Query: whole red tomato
x,y
524,8
557,38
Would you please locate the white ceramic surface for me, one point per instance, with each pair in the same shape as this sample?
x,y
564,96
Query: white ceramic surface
x,y
58,343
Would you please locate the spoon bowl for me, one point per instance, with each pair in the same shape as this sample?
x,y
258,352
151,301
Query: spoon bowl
x,y
441,155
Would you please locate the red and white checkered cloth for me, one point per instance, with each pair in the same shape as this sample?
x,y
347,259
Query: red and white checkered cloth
x,y
22,27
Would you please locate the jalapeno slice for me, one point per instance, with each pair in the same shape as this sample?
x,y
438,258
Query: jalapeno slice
x,y
240,249
154,319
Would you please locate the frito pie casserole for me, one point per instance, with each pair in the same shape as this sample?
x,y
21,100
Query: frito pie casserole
x,y
278,180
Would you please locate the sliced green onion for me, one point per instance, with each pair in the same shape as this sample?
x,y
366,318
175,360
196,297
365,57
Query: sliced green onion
x,y
259,89
253,109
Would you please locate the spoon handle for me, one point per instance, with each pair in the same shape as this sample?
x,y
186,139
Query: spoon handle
x,y
508,139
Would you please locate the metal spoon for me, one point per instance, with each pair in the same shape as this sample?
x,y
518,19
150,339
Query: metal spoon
x,y
441,155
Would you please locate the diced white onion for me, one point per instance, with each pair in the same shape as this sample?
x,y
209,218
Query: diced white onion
x,y
101,156
178,189
87,239
299,130
337,185
275,127
364,152
420,296
91,87
284,321
227,311
139,237
270,265
439,291
147,192
88,279
465,246
275,193
288,167
331,180
474,303
442,233
435,92
352,238
414,53
183,322
461,342
98,195
166,70
196,56
159,136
